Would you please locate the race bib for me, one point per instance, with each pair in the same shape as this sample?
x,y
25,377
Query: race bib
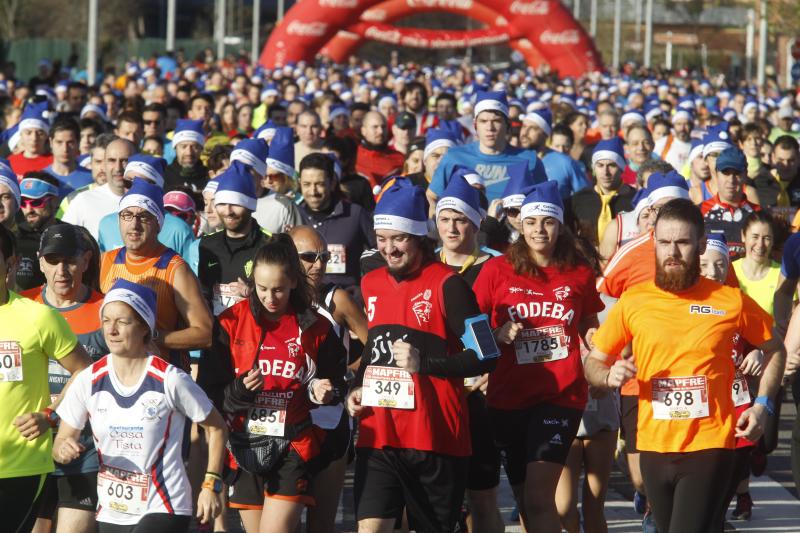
x,y
470,382
337,263
740,392
122,491
10,361
224,295
386,386
267,416
680,398
541,345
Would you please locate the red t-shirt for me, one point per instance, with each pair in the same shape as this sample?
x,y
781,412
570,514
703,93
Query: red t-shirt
x,y
413,309
543,364
21,165
377,165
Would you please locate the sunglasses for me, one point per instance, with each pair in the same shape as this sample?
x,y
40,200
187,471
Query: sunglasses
x,y
34,202
512,212
312,257
151,122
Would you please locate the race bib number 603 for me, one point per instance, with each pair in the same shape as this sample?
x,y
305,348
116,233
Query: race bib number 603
x,y
386,386
122,491
680,398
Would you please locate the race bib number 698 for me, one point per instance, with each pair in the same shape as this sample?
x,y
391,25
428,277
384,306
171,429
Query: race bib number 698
x,y
680,398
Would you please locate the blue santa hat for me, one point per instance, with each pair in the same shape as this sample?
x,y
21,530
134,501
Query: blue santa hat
x,y
402,207
99,109
520,181
252,152
437,138
612,149
568,100
716,139
281,151
669,185
235,186
9,179
491,101
142,299
542,117
634,116
652,110
147,166
460,196
269,90
266,131
189,130
682,114
543,200
696,150
33,117
337,110
718,243
146,195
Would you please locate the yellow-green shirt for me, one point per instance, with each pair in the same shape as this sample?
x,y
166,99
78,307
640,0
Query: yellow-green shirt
x,y
763,290
37,333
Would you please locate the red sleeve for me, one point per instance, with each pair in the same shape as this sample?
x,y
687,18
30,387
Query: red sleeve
x,y
592,303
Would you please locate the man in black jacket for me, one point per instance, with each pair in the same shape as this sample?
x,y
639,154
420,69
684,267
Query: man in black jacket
x,y
39,194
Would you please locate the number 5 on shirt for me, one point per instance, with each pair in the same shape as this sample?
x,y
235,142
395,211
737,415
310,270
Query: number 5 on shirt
x,y
371,307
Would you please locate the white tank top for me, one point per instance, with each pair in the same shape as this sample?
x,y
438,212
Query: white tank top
x,y
627,228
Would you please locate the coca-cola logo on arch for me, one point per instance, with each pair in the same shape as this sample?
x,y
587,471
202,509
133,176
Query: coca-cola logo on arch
x,y
561,38
443,4
534,7
348,4
307,29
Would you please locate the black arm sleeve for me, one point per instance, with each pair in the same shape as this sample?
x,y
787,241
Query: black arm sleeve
x,y
461,305
332,364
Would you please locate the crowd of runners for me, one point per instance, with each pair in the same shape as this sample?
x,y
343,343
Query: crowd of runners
x,y
222,287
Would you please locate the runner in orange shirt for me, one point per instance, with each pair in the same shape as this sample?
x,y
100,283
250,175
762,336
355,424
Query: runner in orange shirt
x,y
682,328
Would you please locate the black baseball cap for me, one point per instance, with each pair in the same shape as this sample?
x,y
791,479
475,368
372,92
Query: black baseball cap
x,y
406,121
62,239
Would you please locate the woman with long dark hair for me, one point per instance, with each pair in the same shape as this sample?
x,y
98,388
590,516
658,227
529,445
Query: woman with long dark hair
x,y
542,302
274,360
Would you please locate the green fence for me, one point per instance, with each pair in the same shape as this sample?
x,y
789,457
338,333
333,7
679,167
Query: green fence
x,y
26,53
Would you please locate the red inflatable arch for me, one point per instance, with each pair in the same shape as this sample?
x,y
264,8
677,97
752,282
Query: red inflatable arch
x,y
544,31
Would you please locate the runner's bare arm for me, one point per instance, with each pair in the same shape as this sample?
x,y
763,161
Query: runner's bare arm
x,y
775,362
209,504
784,293
608,244
194,312
66,447
792,344
601,373
346,312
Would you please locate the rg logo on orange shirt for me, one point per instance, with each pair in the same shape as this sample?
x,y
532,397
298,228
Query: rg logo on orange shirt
x,y
695,309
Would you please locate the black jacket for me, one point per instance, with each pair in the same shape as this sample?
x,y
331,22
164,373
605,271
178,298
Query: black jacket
x,y
586,205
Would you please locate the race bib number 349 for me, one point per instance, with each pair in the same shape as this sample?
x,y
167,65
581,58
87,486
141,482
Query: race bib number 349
x,y
122,491
386,386
10,361
680,398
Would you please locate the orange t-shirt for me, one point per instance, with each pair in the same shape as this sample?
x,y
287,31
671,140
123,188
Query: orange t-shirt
x,y
635,263
683,341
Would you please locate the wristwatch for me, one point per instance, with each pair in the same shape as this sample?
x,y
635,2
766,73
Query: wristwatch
x,y
51,416
767,403
213,484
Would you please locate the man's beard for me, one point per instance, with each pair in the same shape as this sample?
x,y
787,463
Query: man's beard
x,y
678,281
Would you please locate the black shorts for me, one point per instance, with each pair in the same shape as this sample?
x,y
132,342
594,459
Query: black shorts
x,y
484,465
629,406
74,491
428,485
334,447
290,480
688,491
543,432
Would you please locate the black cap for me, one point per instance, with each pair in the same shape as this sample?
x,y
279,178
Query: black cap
x,y
62,239
406,121
416,144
